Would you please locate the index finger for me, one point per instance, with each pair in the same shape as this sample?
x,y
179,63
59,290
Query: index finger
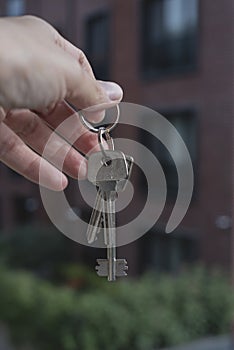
x,y
83,90
73,129
76,53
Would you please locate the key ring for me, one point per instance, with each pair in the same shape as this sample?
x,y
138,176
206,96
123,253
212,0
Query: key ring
x,y
102,131
107,129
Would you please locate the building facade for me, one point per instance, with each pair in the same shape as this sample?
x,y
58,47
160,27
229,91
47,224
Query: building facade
x,y
176,57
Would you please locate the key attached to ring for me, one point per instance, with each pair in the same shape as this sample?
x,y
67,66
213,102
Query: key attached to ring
x,y
109,171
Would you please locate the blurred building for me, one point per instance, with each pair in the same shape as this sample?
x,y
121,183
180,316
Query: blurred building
x,y
175,56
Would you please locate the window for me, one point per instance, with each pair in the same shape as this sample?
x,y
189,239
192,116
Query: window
x,y
1,213
25,209
15,7
185,123
169,35
97,40
169,253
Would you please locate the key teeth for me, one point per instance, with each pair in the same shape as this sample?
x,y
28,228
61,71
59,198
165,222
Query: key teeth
x,y
121,267
102,267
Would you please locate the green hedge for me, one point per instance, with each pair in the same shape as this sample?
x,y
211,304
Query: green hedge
x,y
143,314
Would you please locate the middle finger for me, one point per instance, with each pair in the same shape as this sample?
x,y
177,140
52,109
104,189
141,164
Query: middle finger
x,y
34,132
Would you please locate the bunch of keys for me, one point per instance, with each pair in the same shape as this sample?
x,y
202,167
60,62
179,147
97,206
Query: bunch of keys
x,y
109,170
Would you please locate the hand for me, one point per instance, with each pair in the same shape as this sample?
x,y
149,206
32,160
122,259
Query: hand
x,y
39,71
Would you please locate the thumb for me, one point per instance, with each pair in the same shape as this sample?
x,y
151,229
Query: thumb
x,y
89,94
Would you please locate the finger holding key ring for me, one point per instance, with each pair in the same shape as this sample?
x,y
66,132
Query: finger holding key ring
x,y
102,131
107,129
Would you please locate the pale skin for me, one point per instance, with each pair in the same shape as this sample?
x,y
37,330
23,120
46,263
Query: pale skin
x,y
39,71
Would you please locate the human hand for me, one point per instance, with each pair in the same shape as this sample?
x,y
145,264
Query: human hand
x,y
39,71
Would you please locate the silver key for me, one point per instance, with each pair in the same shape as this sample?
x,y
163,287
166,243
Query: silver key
x,y
122,184
108,267
115,166
94,225
107,172
111,166
111,267
96,216
109,223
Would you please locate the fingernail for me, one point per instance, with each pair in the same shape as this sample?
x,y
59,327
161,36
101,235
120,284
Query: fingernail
x,y
95,117
113,90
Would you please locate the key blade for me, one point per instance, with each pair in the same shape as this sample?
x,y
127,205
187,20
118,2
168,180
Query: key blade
x,y
92,233
110,233
94,229
109,224
94,225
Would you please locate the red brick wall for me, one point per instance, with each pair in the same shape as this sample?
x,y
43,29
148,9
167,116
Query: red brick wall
x,y
208,88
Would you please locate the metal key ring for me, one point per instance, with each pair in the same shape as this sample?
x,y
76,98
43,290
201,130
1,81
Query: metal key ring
x,y
109,127
103,132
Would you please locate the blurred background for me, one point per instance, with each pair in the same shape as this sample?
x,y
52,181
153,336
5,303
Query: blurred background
x,y
176,57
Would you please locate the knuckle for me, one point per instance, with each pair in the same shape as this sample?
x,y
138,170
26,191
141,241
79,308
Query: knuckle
x,y
81,53
89,141
34,19
56,150
38,23
8,145
31,171
82,59
31,18
29,128
84,63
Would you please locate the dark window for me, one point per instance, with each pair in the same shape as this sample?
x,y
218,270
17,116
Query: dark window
x,y
169,35
185,123
97,42
1,211
170,253
25,209
15,7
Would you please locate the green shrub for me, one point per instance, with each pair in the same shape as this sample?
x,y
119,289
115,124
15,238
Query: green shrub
x,y
144,314
78,276
37,312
